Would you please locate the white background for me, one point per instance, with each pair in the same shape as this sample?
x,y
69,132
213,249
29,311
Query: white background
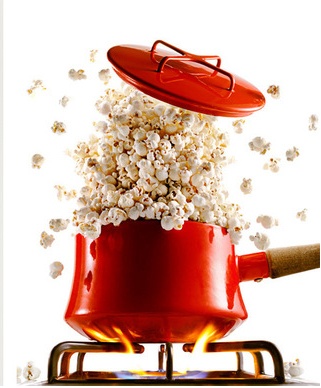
x,y
265,42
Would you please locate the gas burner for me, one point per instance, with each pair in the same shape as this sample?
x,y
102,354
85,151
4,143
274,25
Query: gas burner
x,y
59,365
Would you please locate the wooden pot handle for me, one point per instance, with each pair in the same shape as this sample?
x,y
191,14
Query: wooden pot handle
x,y
287,261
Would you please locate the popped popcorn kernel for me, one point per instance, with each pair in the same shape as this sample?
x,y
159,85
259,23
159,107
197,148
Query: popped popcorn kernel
x,y
64,101
302,215
274,91
104,75
36,84
92,55
260,145
293,368
267,221
46,240
58,127
77,75
56,269
63,193
261,241
291,154
37,161
246,186
238,125
313,122
31,372
90,229
273,165
58,224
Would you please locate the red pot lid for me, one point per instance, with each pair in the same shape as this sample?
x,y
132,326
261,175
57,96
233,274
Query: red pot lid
x,y
185,80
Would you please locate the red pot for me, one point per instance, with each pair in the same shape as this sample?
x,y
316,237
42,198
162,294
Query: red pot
x,y
140,283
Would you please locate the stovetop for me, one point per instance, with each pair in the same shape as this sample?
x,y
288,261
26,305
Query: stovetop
x,y
60,369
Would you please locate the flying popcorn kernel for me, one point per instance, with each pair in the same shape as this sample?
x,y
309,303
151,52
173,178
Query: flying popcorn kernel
x,y
273,165
260,145
291,154
302,215
64,101
274,91
46,239
313,122
37,84
261,241
37,160
56,269
104,75
58,127
267,221
58,224
31,372
246,186
62,192
238,125
77,75
92,55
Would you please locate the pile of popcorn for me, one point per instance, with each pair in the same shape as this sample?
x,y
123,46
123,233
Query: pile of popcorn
x,y
150,160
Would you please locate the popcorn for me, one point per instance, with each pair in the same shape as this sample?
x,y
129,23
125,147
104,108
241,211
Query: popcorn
x,y
92,55
238,125
267,221
261,241
172,222
91,230
58,224
64,101
274,91
116,216
36,84
37,160
235,227
63,193
104,75
293,368
260,145
273,165
150,160
31,372
246,186
291,154
46,239
77,75
313,122
136,211
56,269
302,215
58,127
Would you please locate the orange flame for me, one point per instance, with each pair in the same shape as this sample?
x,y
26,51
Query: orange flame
x,y
101,336
209,333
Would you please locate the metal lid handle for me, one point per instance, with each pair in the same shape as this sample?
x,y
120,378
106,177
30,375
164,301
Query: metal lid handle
x,y
185,56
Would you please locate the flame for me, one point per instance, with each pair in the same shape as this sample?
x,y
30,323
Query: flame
x,y
209,333
101,336
124,340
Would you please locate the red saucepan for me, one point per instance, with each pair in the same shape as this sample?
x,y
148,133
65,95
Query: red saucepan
x,y
144,284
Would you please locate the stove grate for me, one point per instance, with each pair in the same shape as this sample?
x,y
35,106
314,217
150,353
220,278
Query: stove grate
x,y
60,356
